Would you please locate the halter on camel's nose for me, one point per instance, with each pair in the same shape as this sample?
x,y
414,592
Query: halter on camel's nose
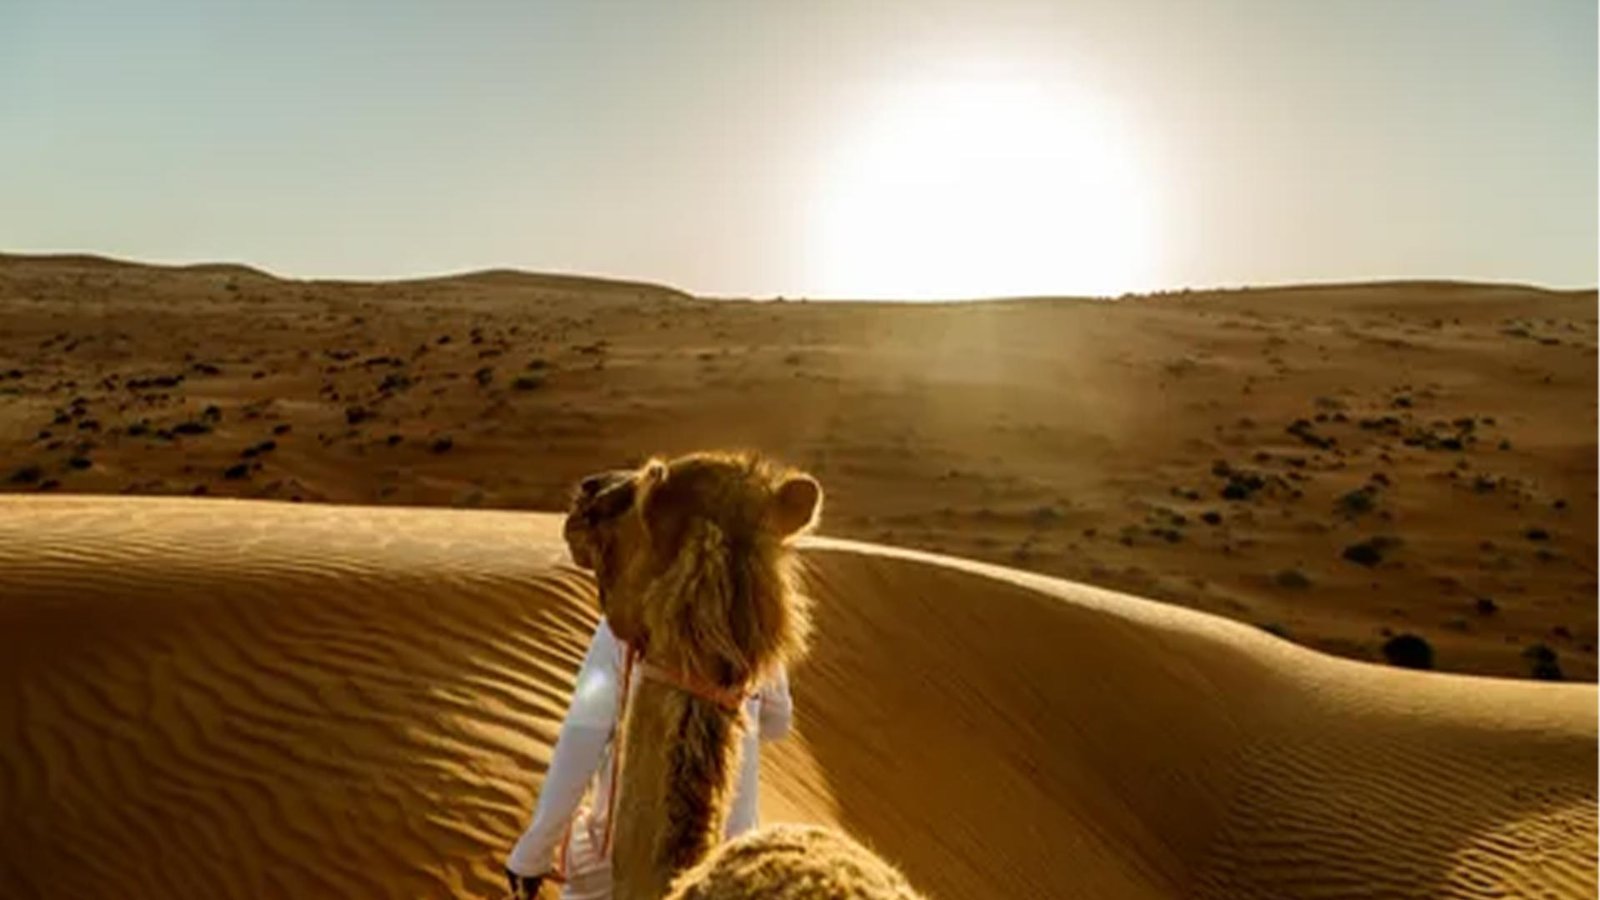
x,y
602,496
594,485
598,499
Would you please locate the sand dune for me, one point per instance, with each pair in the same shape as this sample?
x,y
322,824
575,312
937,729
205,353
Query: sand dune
x,y
227,698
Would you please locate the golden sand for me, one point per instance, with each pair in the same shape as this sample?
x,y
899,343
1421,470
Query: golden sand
x,y
227,698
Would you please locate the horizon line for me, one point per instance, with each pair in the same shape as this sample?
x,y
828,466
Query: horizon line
x,y
67,256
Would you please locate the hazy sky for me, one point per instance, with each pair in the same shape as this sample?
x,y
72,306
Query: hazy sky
x,y
812,149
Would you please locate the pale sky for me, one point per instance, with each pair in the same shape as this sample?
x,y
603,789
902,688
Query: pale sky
x,y
849,149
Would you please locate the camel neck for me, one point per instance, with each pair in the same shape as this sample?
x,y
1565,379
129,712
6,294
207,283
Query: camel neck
x,y
679,758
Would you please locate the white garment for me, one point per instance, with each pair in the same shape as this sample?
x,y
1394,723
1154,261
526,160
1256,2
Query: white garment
x,y
583,754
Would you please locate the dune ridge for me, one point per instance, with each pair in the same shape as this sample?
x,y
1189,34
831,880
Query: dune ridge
x,y
243,698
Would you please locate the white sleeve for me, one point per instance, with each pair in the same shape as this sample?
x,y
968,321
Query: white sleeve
x,y
777,707
578,752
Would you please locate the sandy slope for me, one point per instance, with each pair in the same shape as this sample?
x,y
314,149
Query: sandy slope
x,y
1217,450
224,698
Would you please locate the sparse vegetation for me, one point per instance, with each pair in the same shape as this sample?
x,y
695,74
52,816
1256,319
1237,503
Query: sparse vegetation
x,y
1408,651
1045,516
1542,662
908,412
27,475
1371,551
1293,579
1240,484
393,382
1357,502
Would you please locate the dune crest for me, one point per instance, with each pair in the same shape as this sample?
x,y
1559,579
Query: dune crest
x,y
233,698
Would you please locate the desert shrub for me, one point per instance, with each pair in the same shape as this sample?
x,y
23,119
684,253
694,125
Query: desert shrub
x,y
1371,551
1543,662
27,475
1408,651
1357,502
1293,579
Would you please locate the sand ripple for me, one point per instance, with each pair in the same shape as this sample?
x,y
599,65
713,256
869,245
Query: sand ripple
x,y
236,699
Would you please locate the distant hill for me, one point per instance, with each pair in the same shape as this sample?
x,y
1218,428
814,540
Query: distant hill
x,y
89,261
516,278
509,278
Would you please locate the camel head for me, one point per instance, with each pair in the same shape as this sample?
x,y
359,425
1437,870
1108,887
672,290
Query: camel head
x,y
694,559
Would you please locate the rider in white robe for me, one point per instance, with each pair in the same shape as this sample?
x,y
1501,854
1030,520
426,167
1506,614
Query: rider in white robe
x,y
567,832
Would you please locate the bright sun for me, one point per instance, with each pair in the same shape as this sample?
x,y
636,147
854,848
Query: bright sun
x,y
982,189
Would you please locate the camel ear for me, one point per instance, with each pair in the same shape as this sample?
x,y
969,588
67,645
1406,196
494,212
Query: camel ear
x,y
652,475
797,505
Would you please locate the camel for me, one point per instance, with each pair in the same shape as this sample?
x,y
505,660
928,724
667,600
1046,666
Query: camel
x,y
793,862
696,573
695,568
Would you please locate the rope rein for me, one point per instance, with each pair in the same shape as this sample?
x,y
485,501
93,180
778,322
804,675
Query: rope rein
x,y
730,699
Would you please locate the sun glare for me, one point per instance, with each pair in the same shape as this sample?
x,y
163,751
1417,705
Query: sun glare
x,y
980,189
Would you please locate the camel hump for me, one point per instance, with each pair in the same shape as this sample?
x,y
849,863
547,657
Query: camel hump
x,y
793,862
